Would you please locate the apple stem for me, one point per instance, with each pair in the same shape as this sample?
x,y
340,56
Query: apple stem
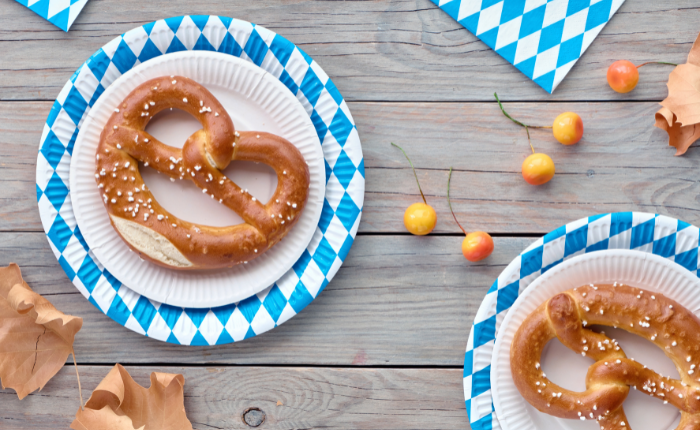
x,y
527,127
414,171
527,130
449,179
657,62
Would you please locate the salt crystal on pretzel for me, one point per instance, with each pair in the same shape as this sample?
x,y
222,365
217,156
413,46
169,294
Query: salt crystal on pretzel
x,y
208,151
609,379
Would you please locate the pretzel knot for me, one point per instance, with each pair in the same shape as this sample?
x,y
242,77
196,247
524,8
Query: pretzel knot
x,y
566,316
158,235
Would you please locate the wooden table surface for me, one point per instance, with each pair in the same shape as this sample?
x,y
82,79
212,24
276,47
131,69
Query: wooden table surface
x,y
396,318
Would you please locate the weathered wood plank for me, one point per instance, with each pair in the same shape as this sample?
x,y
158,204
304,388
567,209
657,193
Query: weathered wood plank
x,y
291,398
403,50
397,300
623,163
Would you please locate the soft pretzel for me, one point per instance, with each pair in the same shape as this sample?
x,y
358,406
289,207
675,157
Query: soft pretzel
x,y
158,235
567,317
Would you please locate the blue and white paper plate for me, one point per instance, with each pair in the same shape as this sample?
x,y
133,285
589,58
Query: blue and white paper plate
x,y
342,207
660,235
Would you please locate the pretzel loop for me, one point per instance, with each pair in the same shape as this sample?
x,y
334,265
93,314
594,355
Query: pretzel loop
x,y
568,316
157,234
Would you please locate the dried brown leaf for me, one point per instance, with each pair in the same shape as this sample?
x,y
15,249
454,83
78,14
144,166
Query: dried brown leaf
x,y
159,407
103,419
35,337
679,137
680,114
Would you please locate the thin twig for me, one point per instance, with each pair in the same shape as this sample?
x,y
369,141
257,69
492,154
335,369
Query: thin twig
x,y
657,62
449,179
527,130
414,171
80,390
506,113
527,127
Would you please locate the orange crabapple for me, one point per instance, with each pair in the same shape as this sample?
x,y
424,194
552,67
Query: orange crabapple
x,y
476,245
568,128
419,218
623,75
538,169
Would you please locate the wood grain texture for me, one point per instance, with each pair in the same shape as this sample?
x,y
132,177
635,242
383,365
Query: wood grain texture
x,y
292,398
622,163
414,76
400,50
397,300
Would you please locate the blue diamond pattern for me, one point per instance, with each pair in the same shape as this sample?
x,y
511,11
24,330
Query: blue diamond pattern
x,y
52,149
118,311
224,338
124,58
576,241
59,234
675,240
311,87
542,50
196,315
324,255
249,307
56,191
283,49
299,74
643,234
230,46
340,127
66,267
170,314
275,302
255,48
199,340
144,312
300,298
223,313
89,273
61,15
347,211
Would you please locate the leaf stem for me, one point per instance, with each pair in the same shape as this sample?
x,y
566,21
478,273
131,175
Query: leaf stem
x,y
657,62
449,179
527,127
414,171
80,390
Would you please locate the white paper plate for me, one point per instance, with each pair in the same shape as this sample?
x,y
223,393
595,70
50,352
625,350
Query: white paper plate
x,y
255,100
568,369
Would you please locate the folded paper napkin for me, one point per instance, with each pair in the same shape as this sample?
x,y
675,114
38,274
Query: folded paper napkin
x,y
542,38
60,13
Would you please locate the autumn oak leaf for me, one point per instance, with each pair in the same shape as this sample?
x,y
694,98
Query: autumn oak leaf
x,y
35,337
119,403
680,114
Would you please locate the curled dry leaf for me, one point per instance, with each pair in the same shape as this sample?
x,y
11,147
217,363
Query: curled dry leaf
x,y
103,419
35,337
118,396
680,114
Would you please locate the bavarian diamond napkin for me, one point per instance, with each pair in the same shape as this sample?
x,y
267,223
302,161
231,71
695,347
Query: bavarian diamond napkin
x,y
60,13
542,38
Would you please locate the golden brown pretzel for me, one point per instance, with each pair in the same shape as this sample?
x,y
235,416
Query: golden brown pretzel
x,y
158,235
565,316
